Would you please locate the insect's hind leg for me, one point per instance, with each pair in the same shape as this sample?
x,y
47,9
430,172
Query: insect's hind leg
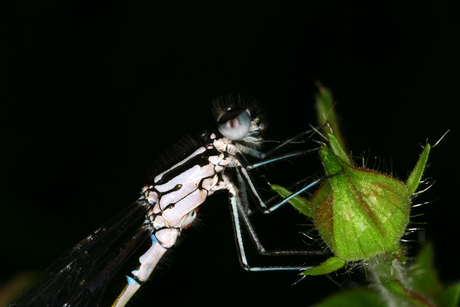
x,y
237,211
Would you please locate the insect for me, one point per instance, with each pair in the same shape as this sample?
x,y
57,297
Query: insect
x,y
82,276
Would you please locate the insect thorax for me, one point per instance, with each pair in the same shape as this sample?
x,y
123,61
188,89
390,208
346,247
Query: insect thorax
x,y
177,192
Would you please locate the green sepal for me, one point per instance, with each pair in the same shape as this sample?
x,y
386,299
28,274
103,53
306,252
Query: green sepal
x,y
414,179
337,149
330,265
300,203
325,112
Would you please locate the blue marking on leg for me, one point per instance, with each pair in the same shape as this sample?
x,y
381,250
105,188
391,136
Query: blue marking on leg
x,y
132,281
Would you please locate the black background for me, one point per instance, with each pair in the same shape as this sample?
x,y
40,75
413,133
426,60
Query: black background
x,y
93,91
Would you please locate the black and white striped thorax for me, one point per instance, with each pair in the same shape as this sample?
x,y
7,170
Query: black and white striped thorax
x,y
177,192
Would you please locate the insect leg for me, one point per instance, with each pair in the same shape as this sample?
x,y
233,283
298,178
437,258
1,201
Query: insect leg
x,y
263,155
237,212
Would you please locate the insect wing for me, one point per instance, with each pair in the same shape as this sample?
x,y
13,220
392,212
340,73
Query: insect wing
x,y
80,276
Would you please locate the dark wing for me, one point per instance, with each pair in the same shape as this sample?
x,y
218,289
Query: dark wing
x,y
80,277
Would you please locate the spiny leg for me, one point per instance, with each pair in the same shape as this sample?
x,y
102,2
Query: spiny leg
x,y
244,163
263,155
243,205
258,200
245,166
237,212
240,210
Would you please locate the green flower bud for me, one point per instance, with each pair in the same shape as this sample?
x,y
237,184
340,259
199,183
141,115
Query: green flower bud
x,y
361,213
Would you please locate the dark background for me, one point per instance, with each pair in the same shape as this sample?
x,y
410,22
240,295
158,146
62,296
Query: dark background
x,y
93,91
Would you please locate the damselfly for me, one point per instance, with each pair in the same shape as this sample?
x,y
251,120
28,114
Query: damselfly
x,y
82,276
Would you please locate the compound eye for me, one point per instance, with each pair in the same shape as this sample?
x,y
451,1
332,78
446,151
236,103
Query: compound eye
x,y
234,124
